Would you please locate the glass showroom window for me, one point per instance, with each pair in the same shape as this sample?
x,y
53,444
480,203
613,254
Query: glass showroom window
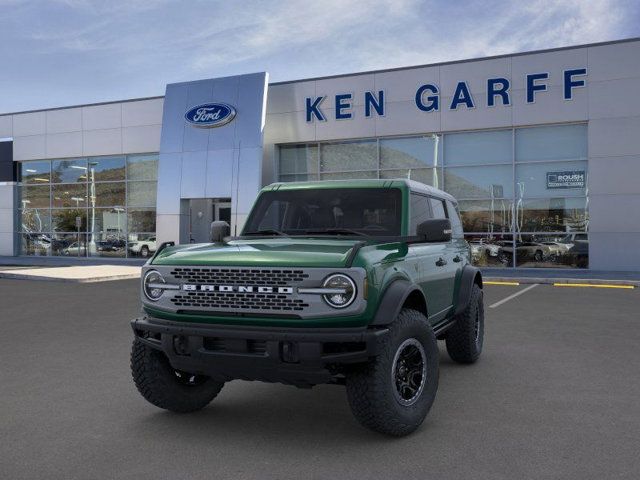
x,y
551,202
141,204
478,171
522,192
80,206
417,158
357,159
298,163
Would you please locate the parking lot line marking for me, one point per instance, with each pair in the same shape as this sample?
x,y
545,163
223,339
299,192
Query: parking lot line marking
x,y
511,297
592,285
490,282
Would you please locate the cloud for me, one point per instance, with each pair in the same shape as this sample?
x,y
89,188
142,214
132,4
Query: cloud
x,y
297,24
131,48
495,29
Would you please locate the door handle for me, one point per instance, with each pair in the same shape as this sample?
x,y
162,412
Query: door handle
x,y
457,258
441,262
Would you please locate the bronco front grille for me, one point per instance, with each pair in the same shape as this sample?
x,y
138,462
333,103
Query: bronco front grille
x,y
239,276
238,301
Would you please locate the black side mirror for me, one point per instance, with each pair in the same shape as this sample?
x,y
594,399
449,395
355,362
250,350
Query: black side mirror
x,y
435,230
219,230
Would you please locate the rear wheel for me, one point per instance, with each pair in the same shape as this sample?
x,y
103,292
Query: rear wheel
x,y
168,388
465,339
393,393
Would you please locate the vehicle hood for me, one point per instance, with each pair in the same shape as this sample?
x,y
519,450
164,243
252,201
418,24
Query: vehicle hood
x,y
271,252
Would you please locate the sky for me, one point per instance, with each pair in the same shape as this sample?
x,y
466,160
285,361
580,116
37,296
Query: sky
x,y
69,52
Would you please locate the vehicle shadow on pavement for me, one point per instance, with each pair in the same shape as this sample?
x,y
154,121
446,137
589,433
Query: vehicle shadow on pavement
x,y
276,412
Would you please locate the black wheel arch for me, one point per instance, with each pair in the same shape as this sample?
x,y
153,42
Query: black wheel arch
x,y
470,276
399,294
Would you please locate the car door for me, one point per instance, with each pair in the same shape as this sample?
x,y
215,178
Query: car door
x,y
447,261
433,270
458,245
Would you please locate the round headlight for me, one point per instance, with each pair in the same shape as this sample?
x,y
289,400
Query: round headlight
x,y
150,285
344,290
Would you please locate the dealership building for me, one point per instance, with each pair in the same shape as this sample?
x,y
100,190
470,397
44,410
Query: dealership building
x,y
541,149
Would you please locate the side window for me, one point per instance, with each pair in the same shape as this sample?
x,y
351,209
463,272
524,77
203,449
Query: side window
x,y
437,207
456,224
419,212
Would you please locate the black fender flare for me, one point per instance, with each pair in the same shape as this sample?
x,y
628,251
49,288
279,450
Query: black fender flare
x,y
392,301
470,276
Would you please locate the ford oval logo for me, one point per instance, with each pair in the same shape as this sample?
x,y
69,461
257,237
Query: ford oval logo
x,y
210,115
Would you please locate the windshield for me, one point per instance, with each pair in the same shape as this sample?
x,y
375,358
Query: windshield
x,y
334,211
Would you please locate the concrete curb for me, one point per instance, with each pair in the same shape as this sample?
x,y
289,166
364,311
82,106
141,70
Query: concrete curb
x,y
551,281
17,276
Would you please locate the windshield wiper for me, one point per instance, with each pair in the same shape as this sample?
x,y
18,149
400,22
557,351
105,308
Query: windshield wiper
x,y
267,231
337,231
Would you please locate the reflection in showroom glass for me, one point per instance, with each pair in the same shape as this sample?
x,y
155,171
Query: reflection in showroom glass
x,y
141,194
552,215
142,167
410,153
35,220
552,250
64,220
298,159
35,196
142,220
348,156
486,216
69,171
490,250
35,172
69,195
34,243
479,182
106,244
110,194
106,169
68,244
94,189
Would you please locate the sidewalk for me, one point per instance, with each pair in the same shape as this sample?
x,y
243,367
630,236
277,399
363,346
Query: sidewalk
x,y
77,274
68,261
551,276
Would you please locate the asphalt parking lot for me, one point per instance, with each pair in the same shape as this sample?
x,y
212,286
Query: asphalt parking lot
x,y
555,395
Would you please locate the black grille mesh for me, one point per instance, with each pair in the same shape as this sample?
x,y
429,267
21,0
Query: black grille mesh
x,y
227,276
238,301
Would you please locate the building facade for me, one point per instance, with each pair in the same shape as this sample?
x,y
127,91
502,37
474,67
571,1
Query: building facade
x,y
541,149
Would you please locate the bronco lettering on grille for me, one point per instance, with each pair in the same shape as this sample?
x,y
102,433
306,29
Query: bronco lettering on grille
x,y
237,288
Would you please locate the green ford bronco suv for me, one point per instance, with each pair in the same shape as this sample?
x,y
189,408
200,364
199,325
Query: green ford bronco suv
x,y
343,282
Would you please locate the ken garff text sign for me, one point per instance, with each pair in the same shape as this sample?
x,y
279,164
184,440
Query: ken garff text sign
x,y
210,115
427,96
567,179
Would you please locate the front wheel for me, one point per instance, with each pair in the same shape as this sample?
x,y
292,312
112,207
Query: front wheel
x,y
393,393
465,339
165,387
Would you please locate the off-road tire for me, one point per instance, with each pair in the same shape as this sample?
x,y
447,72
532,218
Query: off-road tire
x,y
370,388
464,342
158,383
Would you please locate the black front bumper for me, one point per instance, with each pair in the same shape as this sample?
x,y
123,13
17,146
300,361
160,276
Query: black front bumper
x,y
298,356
